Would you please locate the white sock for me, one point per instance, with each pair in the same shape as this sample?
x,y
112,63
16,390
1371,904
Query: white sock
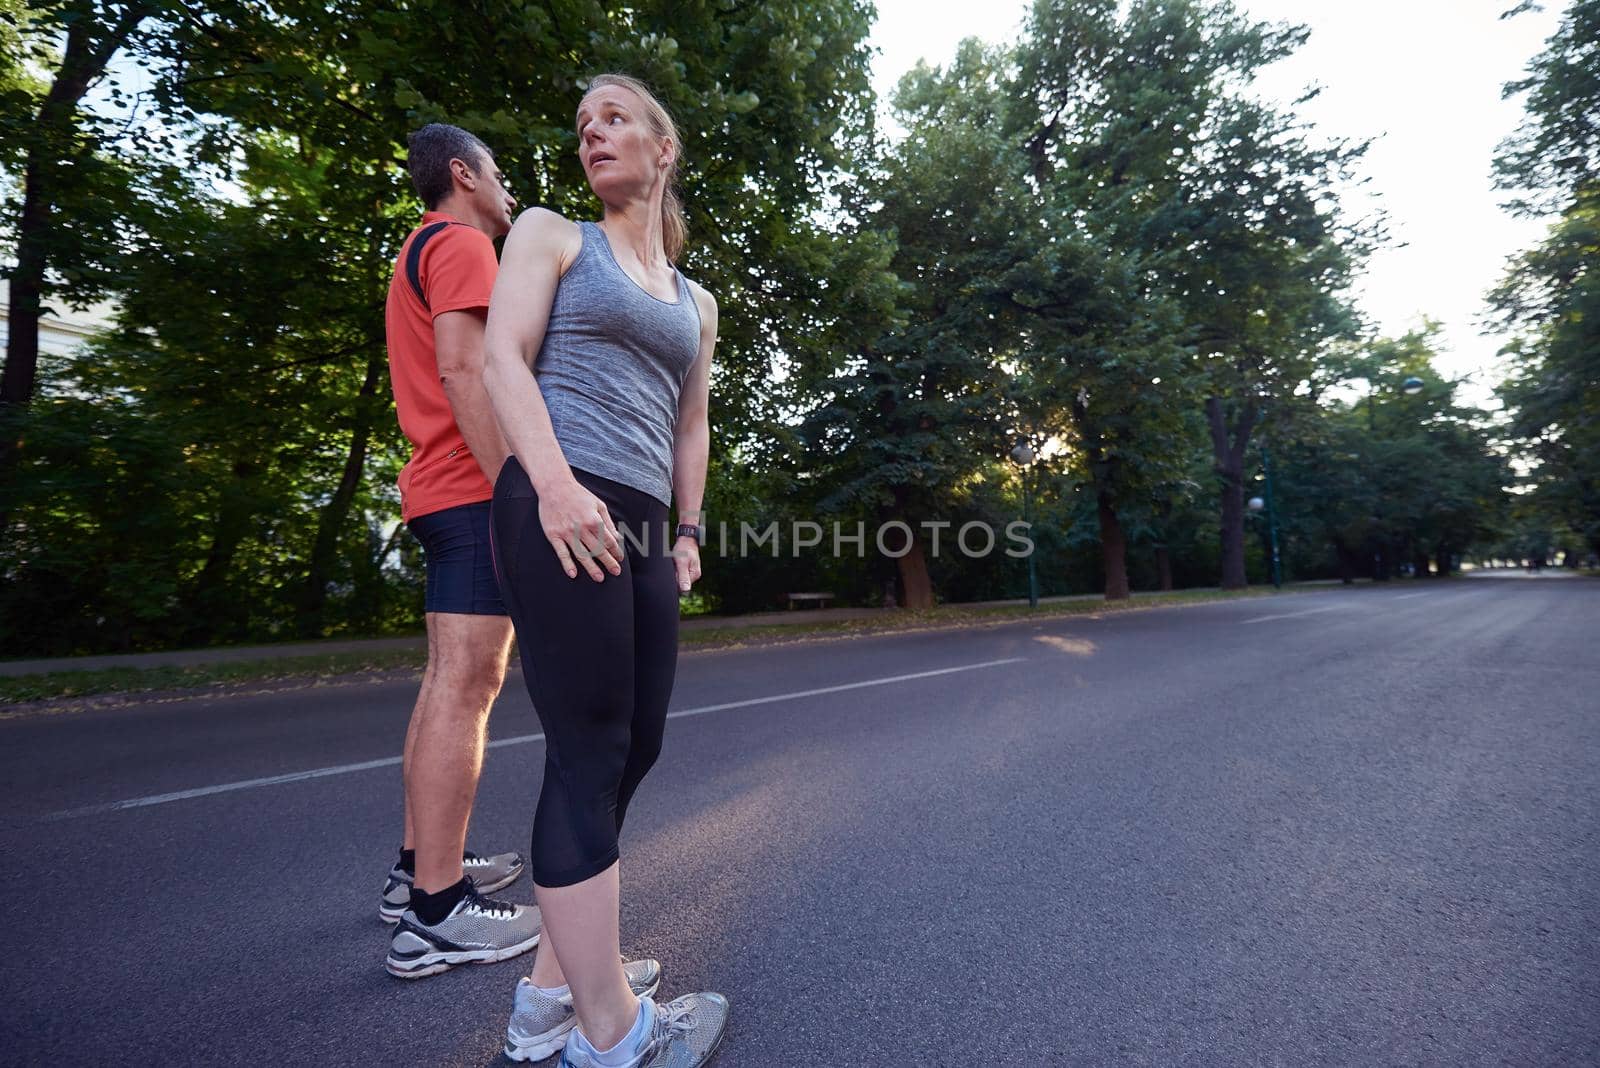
x,y
553,991
626,1051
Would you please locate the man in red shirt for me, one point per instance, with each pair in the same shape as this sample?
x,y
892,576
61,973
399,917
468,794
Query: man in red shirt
x,y
438,301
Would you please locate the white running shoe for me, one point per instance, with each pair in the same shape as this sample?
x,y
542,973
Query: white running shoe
x,y
684,1033
540,1023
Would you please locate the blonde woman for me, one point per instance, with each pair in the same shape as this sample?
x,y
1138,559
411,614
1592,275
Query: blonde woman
x,y
605,432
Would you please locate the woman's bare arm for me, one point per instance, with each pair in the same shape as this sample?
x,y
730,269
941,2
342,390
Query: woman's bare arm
x,y
691,445
575,521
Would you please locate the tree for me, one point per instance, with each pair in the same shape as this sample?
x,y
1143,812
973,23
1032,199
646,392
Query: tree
x,y
1389,476
1554,156
72,172
1221,211
292,117
772,101
1550,295
916,409
1264,298
1113,110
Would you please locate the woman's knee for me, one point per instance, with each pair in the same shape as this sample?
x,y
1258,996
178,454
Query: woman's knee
x,y
574,830
642,756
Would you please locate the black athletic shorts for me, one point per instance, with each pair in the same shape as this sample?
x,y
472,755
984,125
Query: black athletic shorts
x,y
460,565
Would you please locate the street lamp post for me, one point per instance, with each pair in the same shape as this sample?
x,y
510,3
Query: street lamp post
x,y
1256,503
1410,387
1023,455
1272,519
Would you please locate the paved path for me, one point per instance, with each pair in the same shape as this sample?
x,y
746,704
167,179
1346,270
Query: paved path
x,y
1360,828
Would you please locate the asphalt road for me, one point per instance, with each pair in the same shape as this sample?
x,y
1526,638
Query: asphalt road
x,y
1351,827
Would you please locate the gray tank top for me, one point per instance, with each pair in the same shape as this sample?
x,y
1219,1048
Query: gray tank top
x,y
612,367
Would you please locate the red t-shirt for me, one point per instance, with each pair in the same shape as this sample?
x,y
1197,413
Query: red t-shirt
x,y
456,270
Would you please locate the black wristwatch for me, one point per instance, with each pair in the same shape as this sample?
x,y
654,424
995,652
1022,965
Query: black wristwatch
x,y
692,530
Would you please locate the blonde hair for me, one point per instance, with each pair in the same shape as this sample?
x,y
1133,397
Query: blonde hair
x,y
674,227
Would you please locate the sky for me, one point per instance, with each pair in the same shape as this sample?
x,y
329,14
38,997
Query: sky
x,y
1422,76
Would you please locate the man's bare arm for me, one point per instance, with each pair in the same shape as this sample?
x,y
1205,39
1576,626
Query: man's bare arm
x,y
458,344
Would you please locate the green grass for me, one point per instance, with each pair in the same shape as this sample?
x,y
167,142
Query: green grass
x,y
58,685
955,615
67,684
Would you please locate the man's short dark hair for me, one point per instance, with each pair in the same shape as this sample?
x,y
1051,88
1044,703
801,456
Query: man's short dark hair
x,y
432,149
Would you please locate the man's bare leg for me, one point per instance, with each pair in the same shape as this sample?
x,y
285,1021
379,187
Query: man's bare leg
x,y
448,921
410,839
466,667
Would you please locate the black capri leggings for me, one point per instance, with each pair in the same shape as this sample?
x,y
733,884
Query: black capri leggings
x,y
599,659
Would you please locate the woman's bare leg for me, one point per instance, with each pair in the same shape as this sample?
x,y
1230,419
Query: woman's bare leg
x,y
580,927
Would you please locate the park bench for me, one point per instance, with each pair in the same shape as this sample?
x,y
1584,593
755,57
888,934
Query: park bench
x,y
821,599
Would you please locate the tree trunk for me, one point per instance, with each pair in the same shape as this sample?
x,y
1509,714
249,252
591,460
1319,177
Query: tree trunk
x,y
16,382
314,594
1443,554
1227,450
1233,577
1383,561
915,582
83,61
1113,547
1163,553
214,615
368,579
1419,563
388,547
1347,565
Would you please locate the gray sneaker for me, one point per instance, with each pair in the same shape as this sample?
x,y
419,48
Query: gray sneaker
x,y
489,873
684,1034
477,931
540,1024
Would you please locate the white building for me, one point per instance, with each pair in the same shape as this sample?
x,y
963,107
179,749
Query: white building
x,y
58,334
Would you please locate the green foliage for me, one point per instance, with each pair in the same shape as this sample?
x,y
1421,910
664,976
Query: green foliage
x,y
1091,238
1098,230
252,282
1555,155
912,411
1389,478
231,406
1550,295
772,100
1224,248
82,159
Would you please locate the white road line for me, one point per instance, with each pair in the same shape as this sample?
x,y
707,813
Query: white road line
x,y
1292,615
1405,596
845,686
227,787
521,739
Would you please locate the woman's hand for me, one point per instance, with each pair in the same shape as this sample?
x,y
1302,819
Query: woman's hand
x,y
686,558
580,529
